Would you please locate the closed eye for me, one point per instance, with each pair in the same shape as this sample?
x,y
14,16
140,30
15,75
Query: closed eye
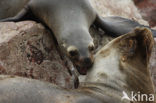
x,y
73,53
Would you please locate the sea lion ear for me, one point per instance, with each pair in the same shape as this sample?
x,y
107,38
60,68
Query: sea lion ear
x,y
137,45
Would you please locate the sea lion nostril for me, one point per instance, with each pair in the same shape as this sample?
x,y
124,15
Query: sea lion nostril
x,y
87,61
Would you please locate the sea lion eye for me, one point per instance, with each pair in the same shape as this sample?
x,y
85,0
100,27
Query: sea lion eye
x,y
91,47
73,53
72,50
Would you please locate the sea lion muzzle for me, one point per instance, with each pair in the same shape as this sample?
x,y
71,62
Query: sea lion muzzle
x,y
84,63
83,60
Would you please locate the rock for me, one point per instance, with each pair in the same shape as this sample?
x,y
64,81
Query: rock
x,y
147,10
27,49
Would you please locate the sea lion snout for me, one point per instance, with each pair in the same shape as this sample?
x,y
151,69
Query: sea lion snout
x,y
84,64
86,56
82,57
88,62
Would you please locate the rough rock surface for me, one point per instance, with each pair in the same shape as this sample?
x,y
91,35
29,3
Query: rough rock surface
x,y
147,9
28,49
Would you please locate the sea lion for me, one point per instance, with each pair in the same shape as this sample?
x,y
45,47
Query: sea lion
x,y
120,67
70,21
9,8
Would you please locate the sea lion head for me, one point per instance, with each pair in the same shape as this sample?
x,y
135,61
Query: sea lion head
x,y
79,46
125,60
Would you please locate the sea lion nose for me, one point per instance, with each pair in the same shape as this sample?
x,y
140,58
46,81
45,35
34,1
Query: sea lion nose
x,y
87,62
84,64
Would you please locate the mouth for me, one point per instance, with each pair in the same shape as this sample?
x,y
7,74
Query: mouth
x,y
83,66
82,70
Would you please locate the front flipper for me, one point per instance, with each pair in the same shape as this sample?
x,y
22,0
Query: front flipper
x,y
116,26
20,16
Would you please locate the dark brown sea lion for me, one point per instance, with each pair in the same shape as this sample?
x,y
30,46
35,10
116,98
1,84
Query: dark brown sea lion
x,y
120,68
70,21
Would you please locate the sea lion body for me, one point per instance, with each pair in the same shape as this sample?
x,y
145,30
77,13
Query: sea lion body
x,y
22,90
104,83
9,8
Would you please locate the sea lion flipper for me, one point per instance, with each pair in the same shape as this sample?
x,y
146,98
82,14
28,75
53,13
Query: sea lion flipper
x,y
116,26
18,17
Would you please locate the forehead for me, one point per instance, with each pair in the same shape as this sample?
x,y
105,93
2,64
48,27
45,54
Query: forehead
x,y
77,37
78,43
